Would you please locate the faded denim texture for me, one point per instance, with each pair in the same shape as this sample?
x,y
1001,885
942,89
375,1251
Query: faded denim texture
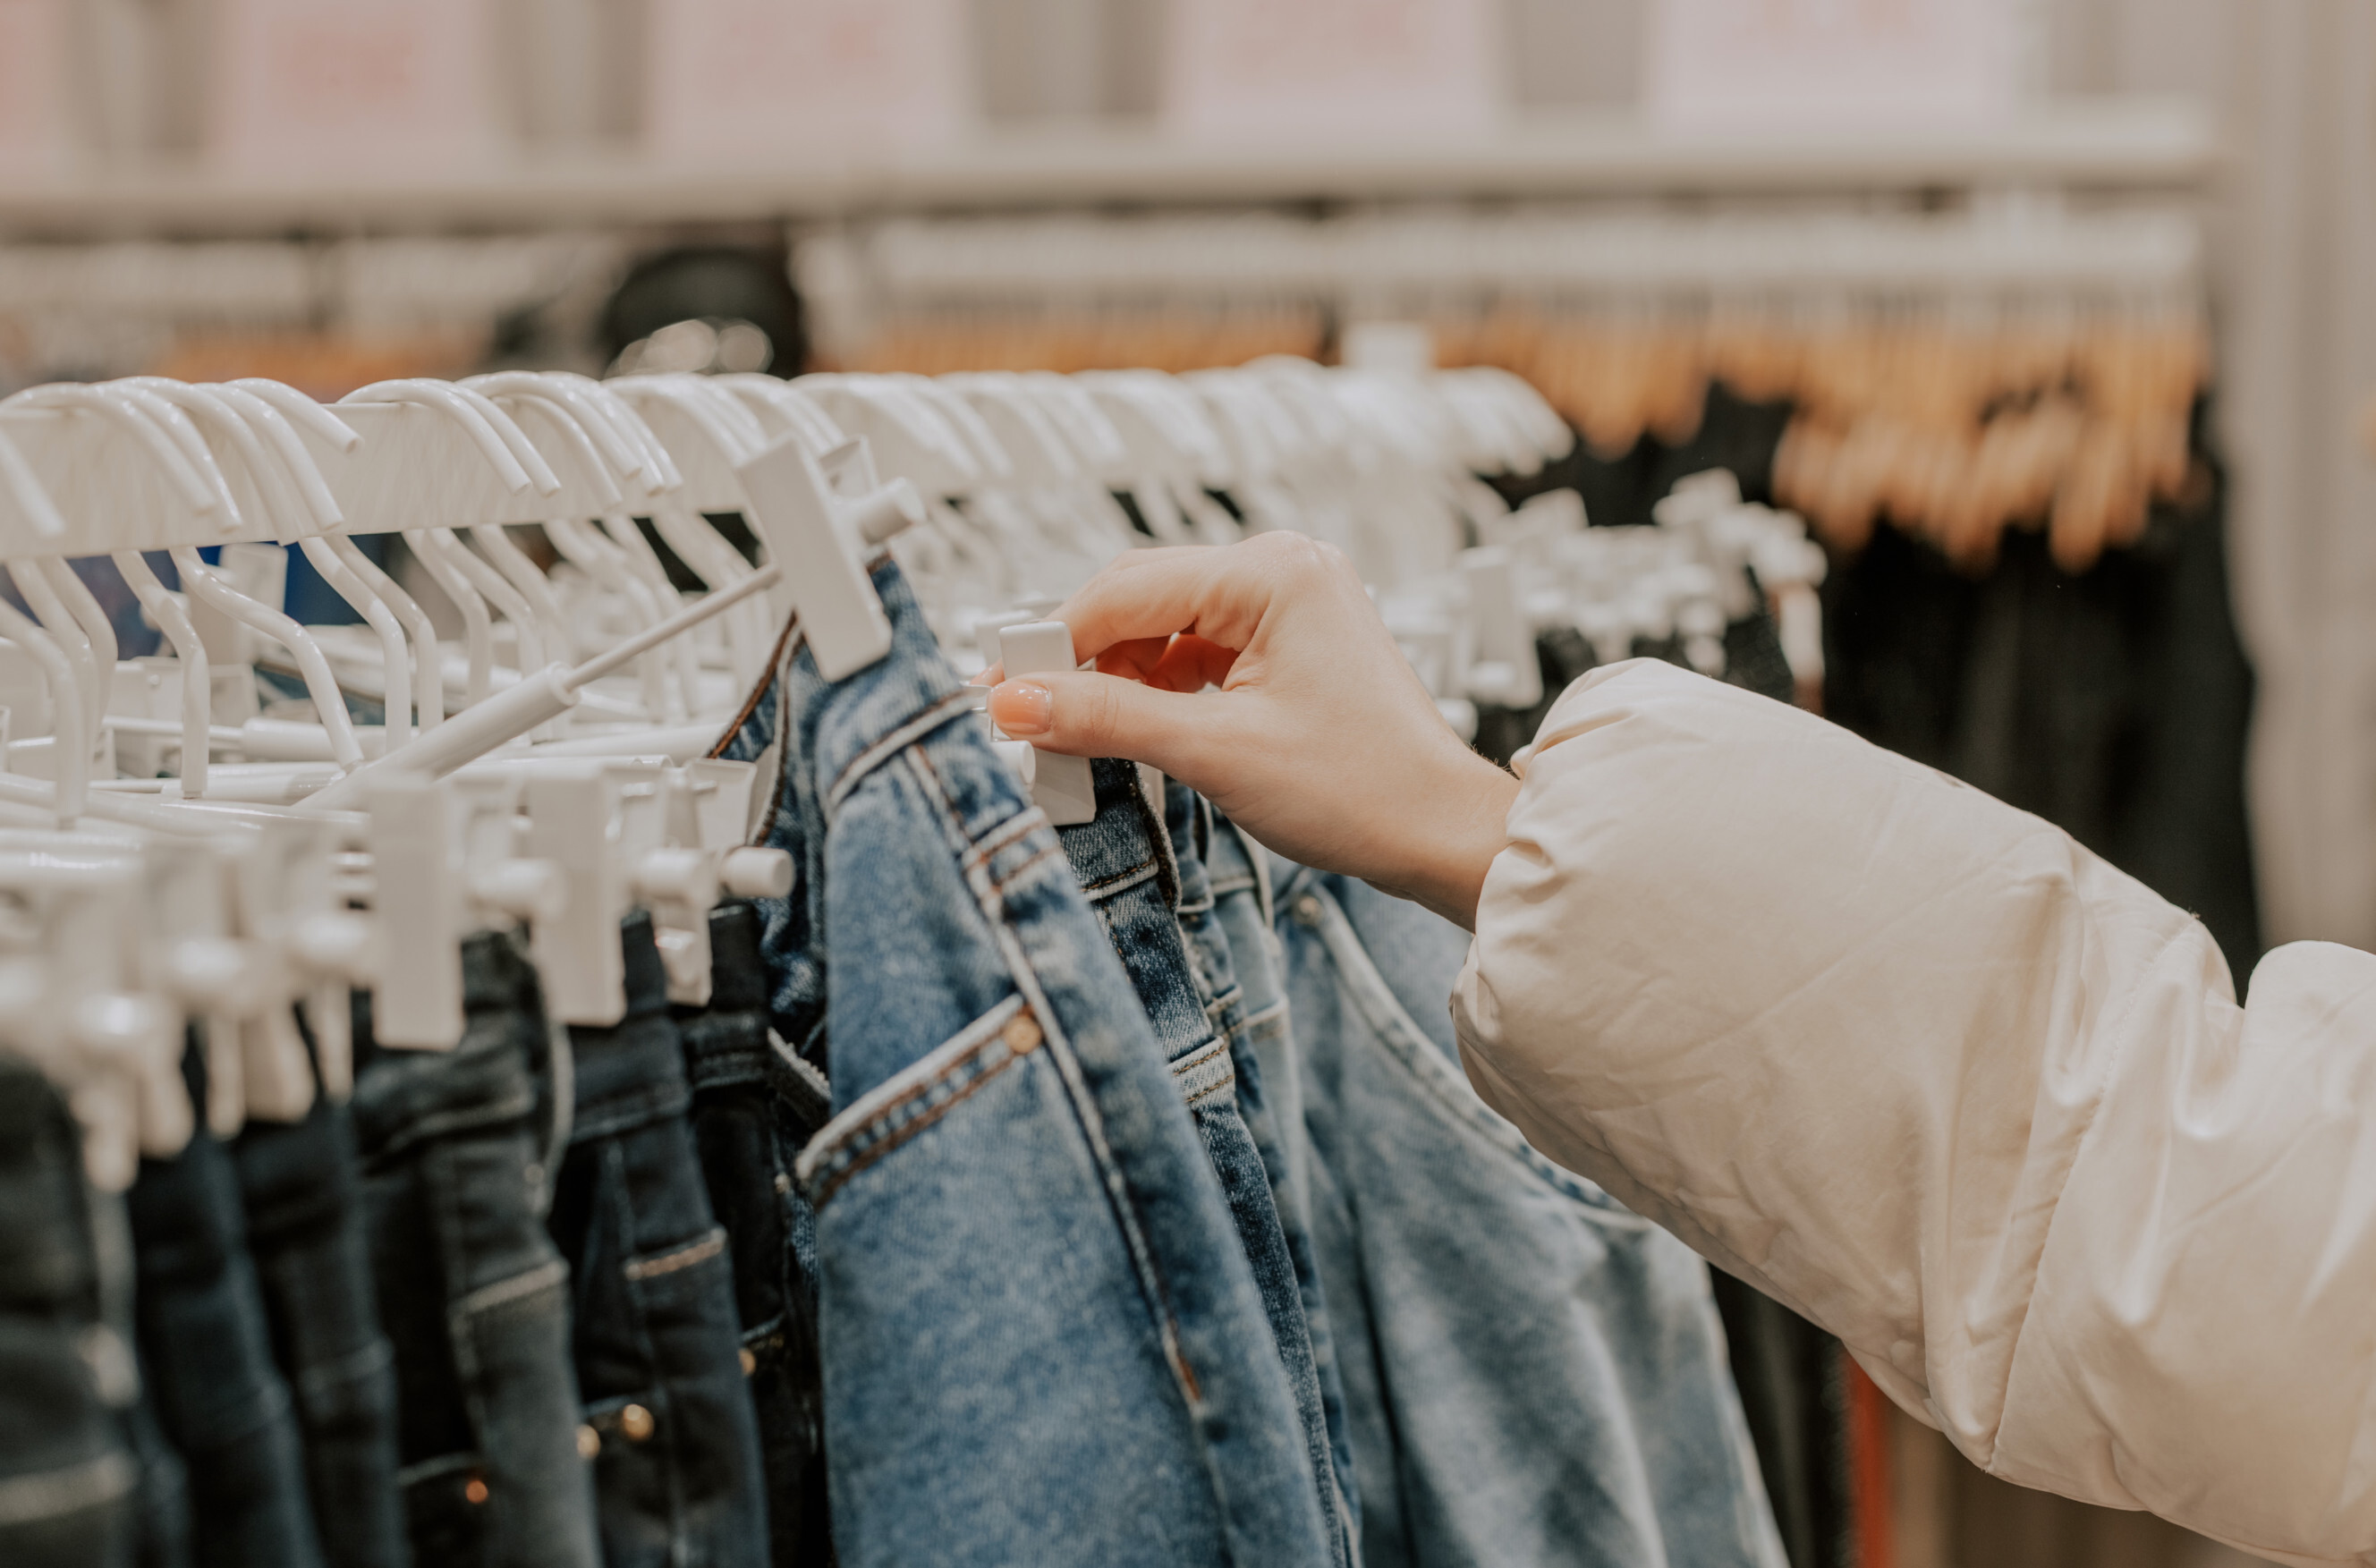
x,y
1041,1339
1534,1374
1237,1127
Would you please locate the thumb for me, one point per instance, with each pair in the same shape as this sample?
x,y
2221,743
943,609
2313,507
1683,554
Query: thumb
x,y
1086,714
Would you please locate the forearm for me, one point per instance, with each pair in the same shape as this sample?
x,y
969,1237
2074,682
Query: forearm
x,y
1922,1068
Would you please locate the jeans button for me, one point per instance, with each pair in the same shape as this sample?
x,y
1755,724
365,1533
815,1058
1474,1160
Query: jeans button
x,y
750,1361
1307,911
636,1423
589,1442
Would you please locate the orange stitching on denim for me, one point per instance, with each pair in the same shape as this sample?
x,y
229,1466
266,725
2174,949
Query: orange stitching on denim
x,y
892,1139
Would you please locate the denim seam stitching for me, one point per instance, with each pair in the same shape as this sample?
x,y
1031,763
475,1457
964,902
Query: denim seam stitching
x,y
1121,882
890,744
990,895
786,642
461,1345
695,1252
527,1282
660,1390
69,1489
871,1126
412,1475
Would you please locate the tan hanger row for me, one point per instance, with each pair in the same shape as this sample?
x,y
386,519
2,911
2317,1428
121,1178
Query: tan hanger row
x,y
1174,338
1953,434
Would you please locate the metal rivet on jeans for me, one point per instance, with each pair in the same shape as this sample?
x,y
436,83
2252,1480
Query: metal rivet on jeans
x,y
474,1490
589,1442
1021,1034
750,1361
635,1422
1307,909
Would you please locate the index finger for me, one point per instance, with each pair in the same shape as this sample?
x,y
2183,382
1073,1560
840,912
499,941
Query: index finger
x,y
1221,594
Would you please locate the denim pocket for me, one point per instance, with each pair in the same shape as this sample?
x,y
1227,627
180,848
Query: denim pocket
x,y
511,1350
667,1467
912,1100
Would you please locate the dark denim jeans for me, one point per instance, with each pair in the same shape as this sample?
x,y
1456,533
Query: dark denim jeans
x,y
1041,1340
473,1295
677,1478
754,1108
1534,1374
68,1479
207,1347
303,1190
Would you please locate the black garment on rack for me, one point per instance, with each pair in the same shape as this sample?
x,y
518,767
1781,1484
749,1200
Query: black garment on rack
x,y
206,1344
66,1471
302,1189
472,1294
677,1476
755,1108
2116,704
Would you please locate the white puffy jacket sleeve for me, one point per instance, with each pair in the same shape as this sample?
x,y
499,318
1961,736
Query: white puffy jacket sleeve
x,y
1921,1067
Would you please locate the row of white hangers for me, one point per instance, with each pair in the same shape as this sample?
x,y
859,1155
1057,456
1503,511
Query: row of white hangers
x,y
331,856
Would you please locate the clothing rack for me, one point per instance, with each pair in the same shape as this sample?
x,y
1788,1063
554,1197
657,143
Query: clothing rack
x,y
295,892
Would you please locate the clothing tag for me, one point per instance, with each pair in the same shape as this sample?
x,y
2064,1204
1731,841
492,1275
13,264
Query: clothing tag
x,y
1733,64
382,86
1235,69
778,81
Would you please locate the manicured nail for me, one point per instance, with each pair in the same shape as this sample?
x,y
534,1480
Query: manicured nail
x,y
1023,707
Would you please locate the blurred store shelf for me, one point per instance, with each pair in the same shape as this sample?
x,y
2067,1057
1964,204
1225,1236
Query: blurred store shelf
x,y
2126,144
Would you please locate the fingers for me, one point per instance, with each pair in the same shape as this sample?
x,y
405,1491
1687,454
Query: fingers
x,y
1220,595
1096,715
1191,664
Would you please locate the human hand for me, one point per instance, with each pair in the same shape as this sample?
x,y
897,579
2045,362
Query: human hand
x,y
1320,740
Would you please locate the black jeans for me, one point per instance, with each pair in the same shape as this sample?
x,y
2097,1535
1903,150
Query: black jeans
x,y
305,1228
753,1109
67,1479
204,1339
677,1478
474,1298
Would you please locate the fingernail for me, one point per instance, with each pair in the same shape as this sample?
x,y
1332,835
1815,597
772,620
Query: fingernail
x,y
1023,707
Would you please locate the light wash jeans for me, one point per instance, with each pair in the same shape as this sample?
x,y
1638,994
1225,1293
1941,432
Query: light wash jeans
x,y
1534,1375
1041,1341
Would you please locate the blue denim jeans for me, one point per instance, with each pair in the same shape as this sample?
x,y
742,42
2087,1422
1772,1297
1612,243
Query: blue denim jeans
x,y
473,1296
1240,1135
753,1109
677,1476
207,1349
303,1193
1270,1091
69,1478
1041,1339
1533,1374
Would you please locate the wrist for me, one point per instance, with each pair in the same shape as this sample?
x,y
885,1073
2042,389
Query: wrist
x,y
1461,824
